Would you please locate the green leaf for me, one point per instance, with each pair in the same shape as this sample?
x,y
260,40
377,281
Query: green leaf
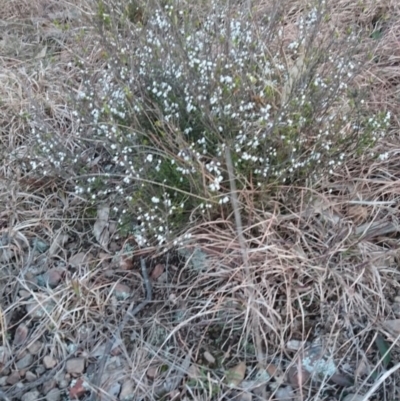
x,y
384,351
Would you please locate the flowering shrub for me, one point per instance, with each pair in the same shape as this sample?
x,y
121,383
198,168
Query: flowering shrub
x,y
177,87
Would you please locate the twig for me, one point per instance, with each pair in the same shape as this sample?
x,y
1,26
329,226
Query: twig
x,y
131,312
375,387
235,207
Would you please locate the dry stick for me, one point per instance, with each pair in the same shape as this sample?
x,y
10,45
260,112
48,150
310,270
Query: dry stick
x,y
243,247
379,382
235,206
131,312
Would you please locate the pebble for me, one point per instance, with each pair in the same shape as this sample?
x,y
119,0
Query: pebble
x,y
24,294
13,378
21,333
78,259
114,389
31,396
52,277
30,376
48,386
122,291
298,377
40,370
35,308
35,347
63,383
208,357
75,365
53,395
49,362
152,372
24,362
127,392
4,354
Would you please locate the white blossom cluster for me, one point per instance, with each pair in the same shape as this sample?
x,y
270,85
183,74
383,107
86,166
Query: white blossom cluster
x,y
198,86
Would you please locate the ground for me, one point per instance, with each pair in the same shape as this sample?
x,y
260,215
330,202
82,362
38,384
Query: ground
x,y
285,290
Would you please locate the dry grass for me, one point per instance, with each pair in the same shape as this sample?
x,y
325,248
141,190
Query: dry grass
x,y
315,264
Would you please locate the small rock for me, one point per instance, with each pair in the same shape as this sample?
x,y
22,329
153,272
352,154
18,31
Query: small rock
x,y
75,366
39,245
21,333
262,375
40,370
35,347
48,386
114,389
21,354
122,291
63,383
24,294
341,380
49,362
298,377
157,271
163,278
4,355
78,259
25,362
52,277
31,396
276,373
3,381
53,395
393,326
30,376
127,391
284,393
4,371
151,372
193,372
397,298
208,357
38,307
13,378
125,262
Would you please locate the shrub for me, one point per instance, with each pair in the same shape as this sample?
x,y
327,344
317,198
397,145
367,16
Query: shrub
x,y
177,85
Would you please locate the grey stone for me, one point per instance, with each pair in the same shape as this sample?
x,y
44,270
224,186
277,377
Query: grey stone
x,y
53,395
127,392
49,362
75,365
24,362
35,347
33,395
30,376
